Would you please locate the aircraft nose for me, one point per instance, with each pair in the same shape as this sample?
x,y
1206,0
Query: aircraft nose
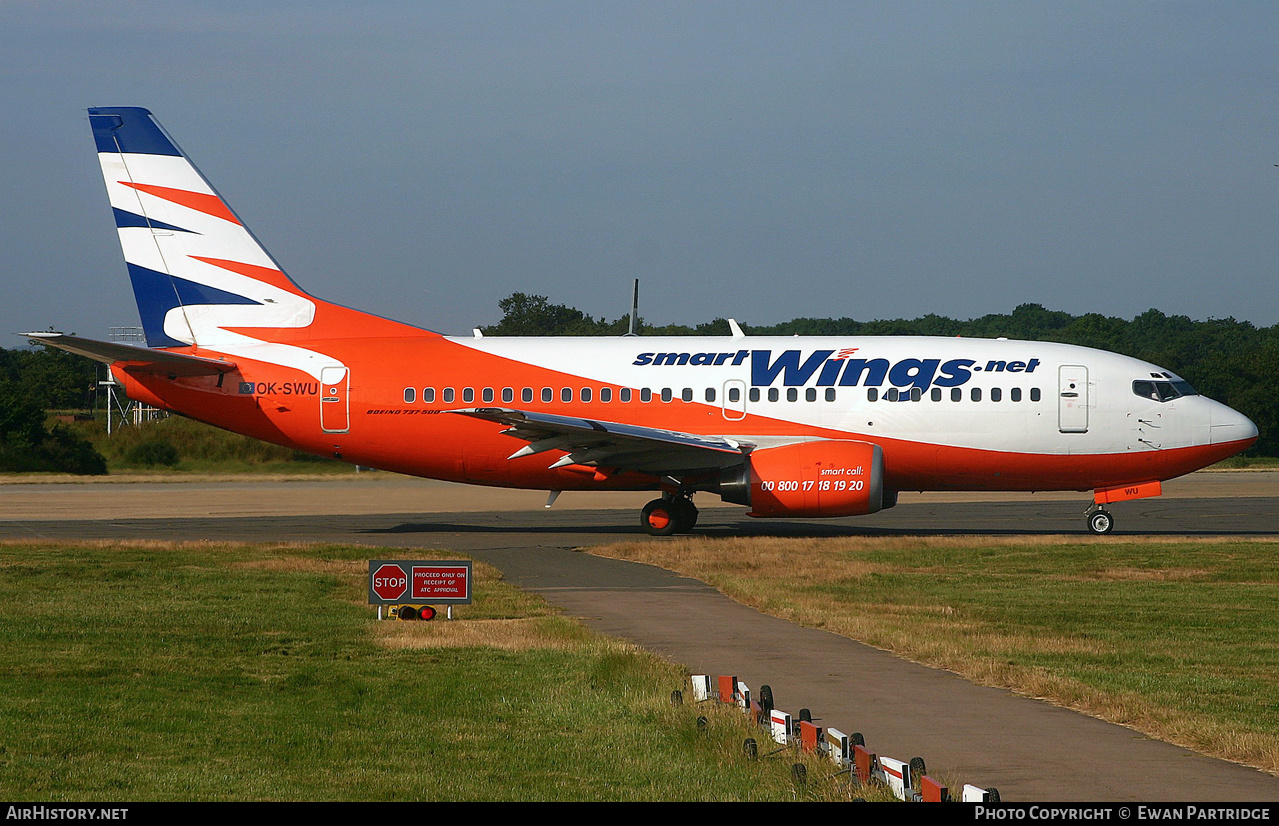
x,y
1229,425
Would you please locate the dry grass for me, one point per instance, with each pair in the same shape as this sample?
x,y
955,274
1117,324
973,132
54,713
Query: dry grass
x,y
308,565
541,631
523,634
833,584
1143,575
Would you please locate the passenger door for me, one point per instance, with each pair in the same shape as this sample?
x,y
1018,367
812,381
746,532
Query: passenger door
x,y
335,410
1072,398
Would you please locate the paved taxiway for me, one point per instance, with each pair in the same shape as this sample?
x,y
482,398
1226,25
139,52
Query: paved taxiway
x,y
1028,749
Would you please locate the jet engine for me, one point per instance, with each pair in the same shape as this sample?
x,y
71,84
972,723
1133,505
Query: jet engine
x,y
821,478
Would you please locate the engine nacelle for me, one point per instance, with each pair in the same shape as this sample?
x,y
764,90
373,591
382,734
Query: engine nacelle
x,y
825,478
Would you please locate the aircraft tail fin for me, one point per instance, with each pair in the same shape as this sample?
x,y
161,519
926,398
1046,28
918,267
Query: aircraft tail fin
x,y
195,267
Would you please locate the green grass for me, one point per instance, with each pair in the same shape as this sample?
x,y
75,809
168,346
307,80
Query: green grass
x,y
1247,463
1176,638
198,448
235,672
1190,627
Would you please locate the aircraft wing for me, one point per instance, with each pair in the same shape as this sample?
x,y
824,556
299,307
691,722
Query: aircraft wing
x,y
612,444
136,359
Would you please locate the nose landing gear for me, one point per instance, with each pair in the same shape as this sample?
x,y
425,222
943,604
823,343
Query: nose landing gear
x,y
1100,521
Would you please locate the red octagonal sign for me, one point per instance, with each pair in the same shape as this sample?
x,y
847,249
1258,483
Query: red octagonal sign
x,y
390,582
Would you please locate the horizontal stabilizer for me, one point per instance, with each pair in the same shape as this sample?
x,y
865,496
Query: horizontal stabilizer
x,y
137,359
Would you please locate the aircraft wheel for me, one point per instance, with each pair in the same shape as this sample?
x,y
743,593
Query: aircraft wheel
x,y
1101,522
685,515
659,518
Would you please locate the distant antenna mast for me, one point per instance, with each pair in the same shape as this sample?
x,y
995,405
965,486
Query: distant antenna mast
x,y
634,309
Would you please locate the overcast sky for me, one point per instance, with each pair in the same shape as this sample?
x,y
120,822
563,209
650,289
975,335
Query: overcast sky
x,y
423,160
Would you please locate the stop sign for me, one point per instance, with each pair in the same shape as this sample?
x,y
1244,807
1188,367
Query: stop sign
x,y
390,582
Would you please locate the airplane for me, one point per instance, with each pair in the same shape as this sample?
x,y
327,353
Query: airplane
x,y
786,426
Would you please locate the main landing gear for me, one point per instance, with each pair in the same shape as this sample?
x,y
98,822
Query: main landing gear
x,y
1100,521
669,515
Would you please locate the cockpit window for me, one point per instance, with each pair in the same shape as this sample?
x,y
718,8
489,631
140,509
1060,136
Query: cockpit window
x,y
1163,391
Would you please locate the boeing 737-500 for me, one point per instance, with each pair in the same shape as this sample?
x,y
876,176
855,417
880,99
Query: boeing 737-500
x,y
788,427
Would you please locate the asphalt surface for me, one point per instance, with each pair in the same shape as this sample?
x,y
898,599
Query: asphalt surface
x,y
1028,749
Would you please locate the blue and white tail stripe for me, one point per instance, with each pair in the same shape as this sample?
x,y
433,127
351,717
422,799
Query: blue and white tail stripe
x,y
196,270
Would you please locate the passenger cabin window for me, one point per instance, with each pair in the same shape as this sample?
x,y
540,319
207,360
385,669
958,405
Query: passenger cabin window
x,y
976,394
526,395
687,394
996,394
1015,394
830,394
1034,394
754,394
710,394
810,395
448,395
468,394
585,394
428,395
646,395
409,395
508,395
956,395
773,394
487,394
624,395
666,394
792,394
606,394
548,394
566,394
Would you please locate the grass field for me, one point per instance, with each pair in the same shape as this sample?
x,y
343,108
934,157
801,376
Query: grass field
x,y
1175,638
237,672
180,445
1247,463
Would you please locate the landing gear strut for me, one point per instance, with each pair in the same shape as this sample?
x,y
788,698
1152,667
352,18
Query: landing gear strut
x,y
667,516
1100,521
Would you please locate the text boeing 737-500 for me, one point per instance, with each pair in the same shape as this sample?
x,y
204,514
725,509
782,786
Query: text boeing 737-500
x,y
789,427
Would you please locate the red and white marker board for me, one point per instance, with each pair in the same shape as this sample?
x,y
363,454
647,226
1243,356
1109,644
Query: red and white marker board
x,y
439,582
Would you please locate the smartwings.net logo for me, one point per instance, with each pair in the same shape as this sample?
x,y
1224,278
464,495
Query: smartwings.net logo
x,y
833,368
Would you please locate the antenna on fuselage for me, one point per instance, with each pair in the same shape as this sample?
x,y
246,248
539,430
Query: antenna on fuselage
x,y
634,309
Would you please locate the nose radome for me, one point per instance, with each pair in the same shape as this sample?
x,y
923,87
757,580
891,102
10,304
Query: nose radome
x,y
1229,425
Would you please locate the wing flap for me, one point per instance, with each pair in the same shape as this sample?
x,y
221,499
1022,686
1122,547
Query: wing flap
x,y
597,443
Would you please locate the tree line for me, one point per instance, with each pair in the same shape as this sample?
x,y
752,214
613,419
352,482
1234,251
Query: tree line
x,y
1231,361
33,383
